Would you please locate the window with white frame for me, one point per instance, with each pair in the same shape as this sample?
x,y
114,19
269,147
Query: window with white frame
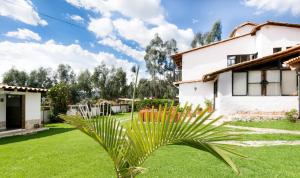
x,y
240,83
265,83
289,82
254,83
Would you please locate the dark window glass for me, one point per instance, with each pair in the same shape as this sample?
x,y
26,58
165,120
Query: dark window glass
x,y
275,50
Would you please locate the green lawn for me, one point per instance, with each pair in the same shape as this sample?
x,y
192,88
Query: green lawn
x,y
63,151
274,124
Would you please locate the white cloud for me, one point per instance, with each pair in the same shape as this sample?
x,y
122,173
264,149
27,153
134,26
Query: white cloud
x,y
77,18
280,6
101,27
119,46
21,10
31,55
147,10
136,30
24,34
142,19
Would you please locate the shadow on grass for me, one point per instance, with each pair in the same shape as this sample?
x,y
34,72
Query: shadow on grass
x,y
52,131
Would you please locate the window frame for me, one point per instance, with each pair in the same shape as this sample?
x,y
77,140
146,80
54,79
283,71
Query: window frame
x,y
277,48
260,83
238,57
232,84
263,86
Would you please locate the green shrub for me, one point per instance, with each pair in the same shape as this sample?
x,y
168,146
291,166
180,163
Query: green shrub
x,y
148,103
292,115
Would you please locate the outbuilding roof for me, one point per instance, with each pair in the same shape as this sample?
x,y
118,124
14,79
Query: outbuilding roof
x,y
21,88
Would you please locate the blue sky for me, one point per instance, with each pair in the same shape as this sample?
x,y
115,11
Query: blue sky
x,y
115,32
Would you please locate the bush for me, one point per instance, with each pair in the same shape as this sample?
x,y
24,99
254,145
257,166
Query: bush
x,y
292,115
148,103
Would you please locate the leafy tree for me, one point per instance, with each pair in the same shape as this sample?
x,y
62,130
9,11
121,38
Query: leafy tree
x,y
60,97
40,78
99,79
65,74
213,35
85,84
157,58
116,84
156,89
130,145
15,77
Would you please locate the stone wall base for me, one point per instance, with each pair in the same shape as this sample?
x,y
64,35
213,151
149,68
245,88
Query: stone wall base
x,y
2,125
30,124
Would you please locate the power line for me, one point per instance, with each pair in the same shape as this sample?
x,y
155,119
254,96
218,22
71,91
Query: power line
x,y
48,16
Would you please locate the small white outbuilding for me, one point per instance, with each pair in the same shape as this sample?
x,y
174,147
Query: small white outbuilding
x,y
20,107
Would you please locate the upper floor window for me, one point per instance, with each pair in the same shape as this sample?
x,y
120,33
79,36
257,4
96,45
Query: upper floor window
x,y
235,59
275,50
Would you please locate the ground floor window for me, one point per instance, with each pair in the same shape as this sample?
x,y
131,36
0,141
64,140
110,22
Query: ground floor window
x,y
264,83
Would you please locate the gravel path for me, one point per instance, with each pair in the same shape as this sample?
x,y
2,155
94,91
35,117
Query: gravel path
x,y
255,130
261,143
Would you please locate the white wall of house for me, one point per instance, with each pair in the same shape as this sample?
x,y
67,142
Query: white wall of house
x,y
195,93
270,37
2,110
197,63
209,59
228,104
244,30
32,106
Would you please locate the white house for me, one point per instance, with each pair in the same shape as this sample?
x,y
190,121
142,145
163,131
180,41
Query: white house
x,y
244,73
20,107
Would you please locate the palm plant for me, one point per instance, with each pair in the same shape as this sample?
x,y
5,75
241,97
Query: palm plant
x,y
129,145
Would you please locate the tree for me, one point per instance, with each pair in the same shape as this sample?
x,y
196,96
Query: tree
x,y
116,84
40,78
85,84
215,33
155,57
156,89
209,37
60,97
65,74
15,77
99,79
130,145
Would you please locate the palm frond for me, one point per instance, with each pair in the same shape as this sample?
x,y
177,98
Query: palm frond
x,y
131,145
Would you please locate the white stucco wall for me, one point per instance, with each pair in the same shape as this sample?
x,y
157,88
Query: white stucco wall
x,y
32,106
243,30
231,105
228,104
195,93
2,108
200,62
271,36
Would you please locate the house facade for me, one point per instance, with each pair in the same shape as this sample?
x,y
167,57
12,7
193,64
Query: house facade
x,y
20,107
244,73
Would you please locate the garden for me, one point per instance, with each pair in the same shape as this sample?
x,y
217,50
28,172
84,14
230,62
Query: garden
x,y
63,151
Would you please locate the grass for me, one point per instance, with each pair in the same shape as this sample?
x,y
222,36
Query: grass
x,y
274,124
64,151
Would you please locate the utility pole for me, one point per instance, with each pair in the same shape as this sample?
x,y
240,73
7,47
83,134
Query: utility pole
x,y
136,70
